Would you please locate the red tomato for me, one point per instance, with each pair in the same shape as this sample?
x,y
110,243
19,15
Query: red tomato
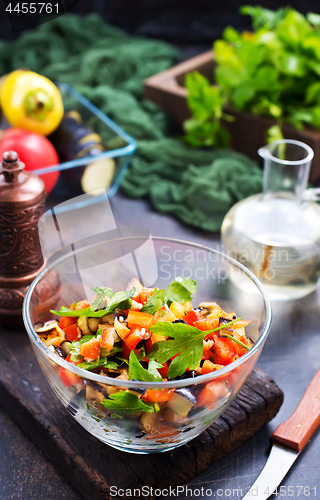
x,y
69,378
107,339
72,333
225,351
155,396
90,350
35,150
211,394
164,371
66,321
192,316
133,339
206,324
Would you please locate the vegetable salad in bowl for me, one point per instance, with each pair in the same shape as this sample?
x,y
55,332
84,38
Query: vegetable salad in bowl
x,y
145,369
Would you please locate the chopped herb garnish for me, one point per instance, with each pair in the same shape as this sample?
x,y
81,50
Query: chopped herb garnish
x,y
155,301
115,350
120,300
126,402
102,293
98,363
181,290
137,372
186,344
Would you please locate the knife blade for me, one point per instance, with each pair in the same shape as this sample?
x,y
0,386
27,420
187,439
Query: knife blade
x,y
288,441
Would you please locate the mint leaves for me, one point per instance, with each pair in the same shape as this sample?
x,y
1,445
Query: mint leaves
x,y
137,372
181,290
126,402
155,302
120,300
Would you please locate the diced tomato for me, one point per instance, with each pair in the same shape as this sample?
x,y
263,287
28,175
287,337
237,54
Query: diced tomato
x,y
207,354
69,378
137,318
239,349
155,396
192,316
72,332
133,339
206,324
224,350
164,371
207,367
125,352
144,294
210,395
107,339
165,431
80,305
90,350
66,321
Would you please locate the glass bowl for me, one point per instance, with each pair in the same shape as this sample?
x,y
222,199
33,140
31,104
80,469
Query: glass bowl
x,y
112,262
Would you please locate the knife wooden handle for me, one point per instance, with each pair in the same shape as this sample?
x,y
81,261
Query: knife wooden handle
x,y
295,432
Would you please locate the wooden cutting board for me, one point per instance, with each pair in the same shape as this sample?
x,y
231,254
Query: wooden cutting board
x,y
91,466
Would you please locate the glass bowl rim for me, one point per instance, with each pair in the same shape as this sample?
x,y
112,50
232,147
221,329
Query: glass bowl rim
x,y
37,343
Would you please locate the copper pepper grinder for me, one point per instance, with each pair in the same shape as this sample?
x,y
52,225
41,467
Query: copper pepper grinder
x,y
22,202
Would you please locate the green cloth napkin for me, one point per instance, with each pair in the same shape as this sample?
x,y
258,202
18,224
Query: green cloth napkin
x,y
108,67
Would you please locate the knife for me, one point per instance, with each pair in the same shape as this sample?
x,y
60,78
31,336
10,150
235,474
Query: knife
x,y
288,441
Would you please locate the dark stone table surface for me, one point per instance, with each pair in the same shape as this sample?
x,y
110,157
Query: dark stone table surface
x,y
291,356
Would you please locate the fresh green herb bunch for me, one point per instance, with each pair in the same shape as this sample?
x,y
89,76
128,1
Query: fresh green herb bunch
x,y
273,71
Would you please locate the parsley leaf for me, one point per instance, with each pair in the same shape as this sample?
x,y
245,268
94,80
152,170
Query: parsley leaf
x,y
102,293
155,302
98,363
186,344
205,101
120,300
126,402
137,372
182,289
153,368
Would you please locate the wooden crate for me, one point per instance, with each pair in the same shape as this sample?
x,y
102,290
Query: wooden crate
x,y
248,131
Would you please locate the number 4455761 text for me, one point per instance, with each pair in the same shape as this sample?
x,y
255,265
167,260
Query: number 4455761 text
x,y
33,8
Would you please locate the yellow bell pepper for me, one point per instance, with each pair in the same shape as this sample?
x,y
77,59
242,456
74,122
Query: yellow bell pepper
x,y
31,101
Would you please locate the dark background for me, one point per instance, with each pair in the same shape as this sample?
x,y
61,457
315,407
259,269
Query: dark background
x,y
183,22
